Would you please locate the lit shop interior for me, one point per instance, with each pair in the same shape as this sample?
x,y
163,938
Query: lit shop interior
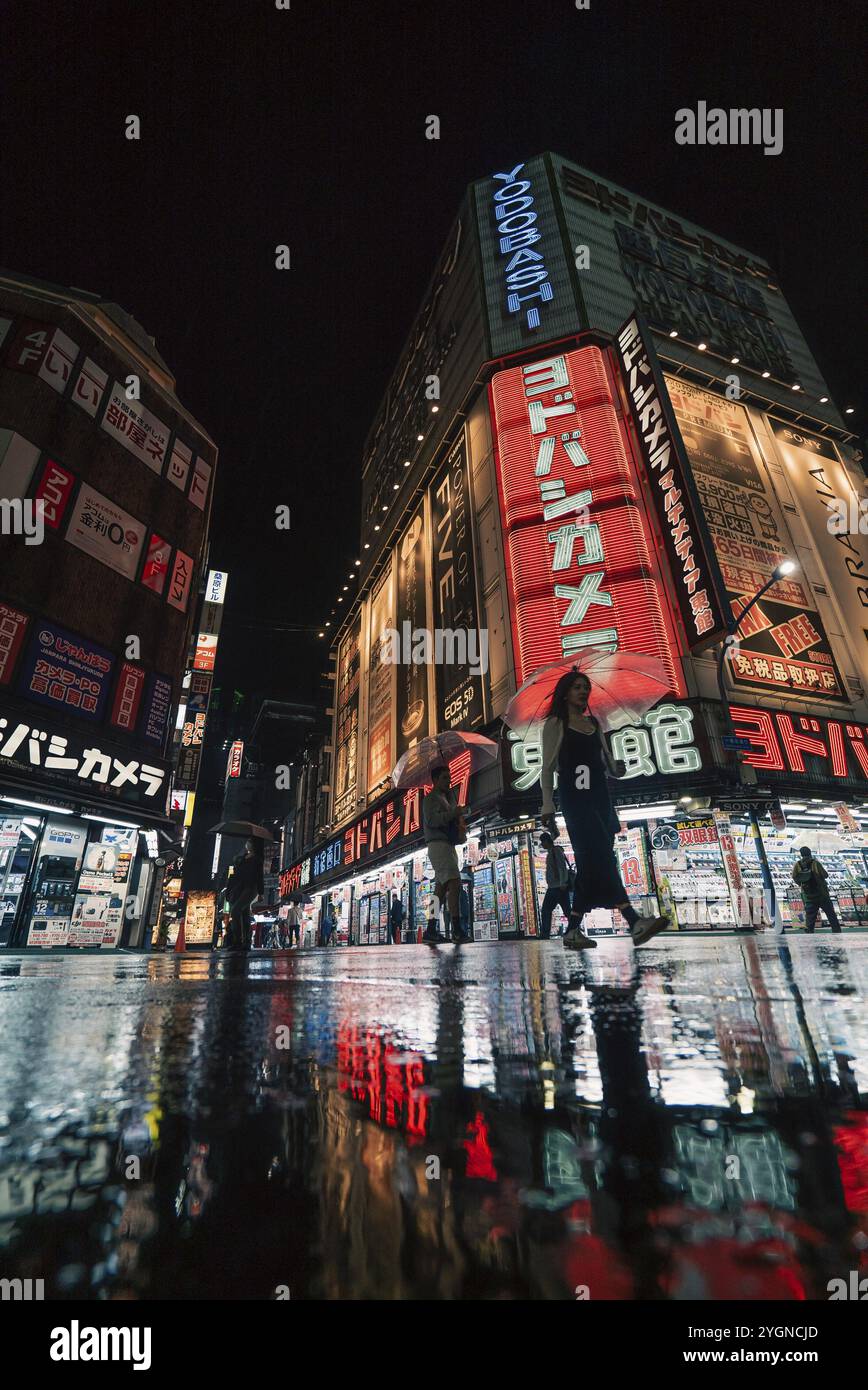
x,y
700,865
71,880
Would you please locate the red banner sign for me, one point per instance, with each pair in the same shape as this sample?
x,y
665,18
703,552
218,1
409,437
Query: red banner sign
x,y
578,556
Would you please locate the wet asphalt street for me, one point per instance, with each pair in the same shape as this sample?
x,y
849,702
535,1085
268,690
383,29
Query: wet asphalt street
x,y
689,1121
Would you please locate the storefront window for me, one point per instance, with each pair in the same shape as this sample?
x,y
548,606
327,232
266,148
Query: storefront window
x,y
19,836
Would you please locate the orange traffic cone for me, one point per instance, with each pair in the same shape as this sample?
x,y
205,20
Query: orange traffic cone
x,y
181,941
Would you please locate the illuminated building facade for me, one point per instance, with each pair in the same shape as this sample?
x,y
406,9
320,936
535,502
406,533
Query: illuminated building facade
x,y
106,484
606,430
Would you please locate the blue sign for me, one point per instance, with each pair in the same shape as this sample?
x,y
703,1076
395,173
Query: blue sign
x,y
66,672
527,279
734,744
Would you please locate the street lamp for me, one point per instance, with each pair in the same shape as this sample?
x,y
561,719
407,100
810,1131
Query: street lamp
x,y
779,572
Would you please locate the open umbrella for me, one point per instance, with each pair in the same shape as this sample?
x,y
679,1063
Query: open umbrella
x,y
244,828
414,768
625,686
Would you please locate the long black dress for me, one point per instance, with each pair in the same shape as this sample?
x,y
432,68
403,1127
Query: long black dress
x,y
591,822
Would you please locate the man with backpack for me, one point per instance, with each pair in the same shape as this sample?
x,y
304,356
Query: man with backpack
x,y
558,888
813,880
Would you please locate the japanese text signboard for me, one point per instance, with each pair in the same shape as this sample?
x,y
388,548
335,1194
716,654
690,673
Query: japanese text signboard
x,y
458,682
692,561
136,428
66,672
105,531
82,762
347,725
580,569
783,645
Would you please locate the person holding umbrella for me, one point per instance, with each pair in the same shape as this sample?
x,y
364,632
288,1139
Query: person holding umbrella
x,y
442,826
242,885
573,744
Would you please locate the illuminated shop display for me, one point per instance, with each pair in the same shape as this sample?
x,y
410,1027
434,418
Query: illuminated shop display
x,y
579,564
394,823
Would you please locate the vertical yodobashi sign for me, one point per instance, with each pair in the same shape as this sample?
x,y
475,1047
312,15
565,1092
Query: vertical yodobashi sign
x,y
411,703
528,284
346,774
458,684
692,561
580,569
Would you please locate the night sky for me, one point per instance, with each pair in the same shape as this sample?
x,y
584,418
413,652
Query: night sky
x,y
307,127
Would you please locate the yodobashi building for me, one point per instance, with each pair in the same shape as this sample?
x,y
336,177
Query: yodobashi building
x,y
605,430
95,616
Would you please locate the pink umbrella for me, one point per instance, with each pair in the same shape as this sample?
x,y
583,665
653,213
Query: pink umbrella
x,y
414,768
625,686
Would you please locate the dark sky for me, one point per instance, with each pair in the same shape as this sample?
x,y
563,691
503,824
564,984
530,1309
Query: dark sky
x,y
262,126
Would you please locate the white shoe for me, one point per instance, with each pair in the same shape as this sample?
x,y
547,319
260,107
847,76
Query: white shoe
x,y
644,928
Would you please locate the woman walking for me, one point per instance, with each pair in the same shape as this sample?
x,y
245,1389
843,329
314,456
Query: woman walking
x,y
573,744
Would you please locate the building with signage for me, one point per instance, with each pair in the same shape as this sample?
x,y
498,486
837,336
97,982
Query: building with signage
x,y
606,430
105,490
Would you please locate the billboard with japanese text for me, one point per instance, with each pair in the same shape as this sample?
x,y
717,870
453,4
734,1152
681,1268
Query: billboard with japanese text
x,y
581,569
783,645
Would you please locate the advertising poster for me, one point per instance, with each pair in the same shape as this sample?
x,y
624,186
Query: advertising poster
x,y
458,677
156,707
136,428
18,459
381,676
89,387
105,531
411,700
54,491
199,919
66,673
13,628
128,697
783,645
836,516
179,584
179,465
43,351
347,726
156,565
633,861
206,652
9,832
198,493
